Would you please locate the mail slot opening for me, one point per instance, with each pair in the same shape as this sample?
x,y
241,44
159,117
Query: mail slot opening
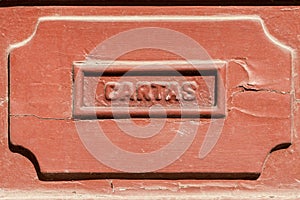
x,y
170,89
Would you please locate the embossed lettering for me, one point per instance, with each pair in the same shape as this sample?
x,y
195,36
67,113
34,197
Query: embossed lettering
x,y
189,90
111,90
150,91
143,91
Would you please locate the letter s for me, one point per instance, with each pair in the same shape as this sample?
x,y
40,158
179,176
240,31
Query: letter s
x,y
189,90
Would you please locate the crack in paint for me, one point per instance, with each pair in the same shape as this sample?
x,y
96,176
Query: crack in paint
x,y
248,112
250,87
39,117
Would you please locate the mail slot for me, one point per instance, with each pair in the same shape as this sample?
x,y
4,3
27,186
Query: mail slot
x,y
160,96
147,85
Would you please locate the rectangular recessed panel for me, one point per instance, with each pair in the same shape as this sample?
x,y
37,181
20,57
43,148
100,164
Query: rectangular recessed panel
x,y
148,89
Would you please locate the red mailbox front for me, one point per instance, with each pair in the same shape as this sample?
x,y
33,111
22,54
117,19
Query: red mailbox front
x,y
182,96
